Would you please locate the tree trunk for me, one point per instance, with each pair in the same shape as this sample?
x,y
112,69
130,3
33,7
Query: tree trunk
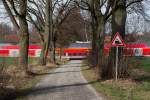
x,y
99,35
47,35
98,25
94,24
42,60
24,35
54,53
22,29
100,45
94,48
24,42
52,41
61,53
118,25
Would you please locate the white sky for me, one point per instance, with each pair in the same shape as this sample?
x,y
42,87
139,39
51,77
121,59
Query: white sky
x,y
4,19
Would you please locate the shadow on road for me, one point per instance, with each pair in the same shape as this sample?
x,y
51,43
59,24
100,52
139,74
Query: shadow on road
x,y
50,73
43,90
50,89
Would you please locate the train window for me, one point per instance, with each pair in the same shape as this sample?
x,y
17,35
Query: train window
x,y
74,54
70,54
80,54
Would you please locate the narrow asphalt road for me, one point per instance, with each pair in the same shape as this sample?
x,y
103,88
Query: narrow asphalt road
x,y
65,83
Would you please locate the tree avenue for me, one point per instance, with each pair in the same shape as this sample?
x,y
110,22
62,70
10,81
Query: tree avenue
x,y
48,16
105,40
102,12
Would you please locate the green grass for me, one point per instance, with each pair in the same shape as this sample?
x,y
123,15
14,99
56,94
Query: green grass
x,y
109,91
13,61
144,63
119,91
141,91
8,60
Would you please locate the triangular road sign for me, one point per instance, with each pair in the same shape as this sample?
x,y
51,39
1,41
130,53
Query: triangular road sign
x,y
117,40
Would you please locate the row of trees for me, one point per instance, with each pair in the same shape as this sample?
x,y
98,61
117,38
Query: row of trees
x,y
48,16
103,11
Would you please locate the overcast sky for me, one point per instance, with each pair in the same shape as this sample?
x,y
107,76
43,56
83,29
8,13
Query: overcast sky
x,y
134,21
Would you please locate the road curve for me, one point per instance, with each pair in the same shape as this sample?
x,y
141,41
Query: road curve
x,y
65,83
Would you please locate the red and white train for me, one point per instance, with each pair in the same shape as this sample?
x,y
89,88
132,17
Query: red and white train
x,y
78,50
140,49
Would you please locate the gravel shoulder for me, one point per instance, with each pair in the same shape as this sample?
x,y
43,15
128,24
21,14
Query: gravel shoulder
x,y
65,83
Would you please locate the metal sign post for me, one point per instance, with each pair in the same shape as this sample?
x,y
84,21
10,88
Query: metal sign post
x,y
116,63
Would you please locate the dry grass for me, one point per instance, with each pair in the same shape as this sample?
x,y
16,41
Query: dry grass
x,y
14,81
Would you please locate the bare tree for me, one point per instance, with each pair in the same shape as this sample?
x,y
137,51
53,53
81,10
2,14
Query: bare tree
x,y
101,11
98,20
17,10
60,11
119,15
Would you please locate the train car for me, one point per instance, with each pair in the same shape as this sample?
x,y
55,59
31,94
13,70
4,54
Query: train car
x,y
13,51
78,50
140,49
146,52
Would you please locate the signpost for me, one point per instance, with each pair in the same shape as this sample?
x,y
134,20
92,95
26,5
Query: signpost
x,y
117,42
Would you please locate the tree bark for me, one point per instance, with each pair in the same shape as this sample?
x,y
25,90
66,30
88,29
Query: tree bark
x,y
52,41
118,25
94,25
101,56
10,14
22,29
24,35
42,56
98,25
46,43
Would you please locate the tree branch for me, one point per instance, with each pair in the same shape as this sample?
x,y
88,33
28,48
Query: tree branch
x,y
10,14
136,1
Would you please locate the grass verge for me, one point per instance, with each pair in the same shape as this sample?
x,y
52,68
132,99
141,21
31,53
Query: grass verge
x,y
142,63
122,90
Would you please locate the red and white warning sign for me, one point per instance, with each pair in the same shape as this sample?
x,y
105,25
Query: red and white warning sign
x,y
117,40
